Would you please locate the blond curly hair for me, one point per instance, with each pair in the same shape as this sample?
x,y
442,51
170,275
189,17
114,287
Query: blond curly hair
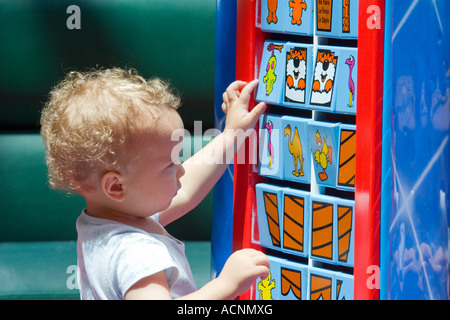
x,y
90,115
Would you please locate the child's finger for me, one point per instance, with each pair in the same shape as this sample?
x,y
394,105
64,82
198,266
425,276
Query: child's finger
x,y
237,85
224,108
234,89
248,89
225,97
261,260
256,113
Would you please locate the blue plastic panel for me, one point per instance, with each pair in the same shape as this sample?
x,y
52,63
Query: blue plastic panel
x,y
344,286
225,55
417,205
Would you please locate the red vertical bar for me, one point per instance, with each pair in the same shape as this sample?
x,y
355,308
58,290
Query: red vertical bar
x,y
368,144
247,35
244,194
368,149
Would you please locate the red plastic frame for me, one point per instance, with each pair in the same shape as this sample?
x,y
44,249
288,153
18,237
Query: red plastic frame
x,y
368,150
368,142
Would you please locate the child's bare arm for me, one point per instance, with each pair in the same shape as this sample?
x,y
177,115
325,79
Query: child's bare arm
x,y
204,169
240,271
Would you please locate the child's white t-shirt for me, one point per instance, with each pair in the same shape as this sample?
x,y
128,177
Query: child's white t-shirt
x,y
113,256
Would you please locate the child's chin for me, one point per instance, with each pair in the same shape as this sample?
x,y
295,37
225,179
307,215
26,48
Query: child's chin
x,y
166,206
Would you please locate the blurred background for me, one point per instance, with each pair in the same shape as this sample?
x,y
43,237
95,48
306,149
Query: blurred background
x,y
170,39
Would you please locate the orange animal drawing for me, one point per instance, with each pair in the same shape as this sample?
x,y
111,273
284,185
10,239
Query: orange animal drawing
x,y
346,16
323,79
293,222
345,216
272,6
291,280
271,207
338,287
297,11
322,230
326,58
320,287
347,159
296,55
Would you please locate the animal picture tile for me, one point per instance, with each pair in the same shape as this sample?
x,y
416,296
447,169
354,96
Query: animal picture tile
x,y
299,68
268,288
324,79
348,20
323,139
322,228
345,229
300,17
347,157
287,280
346,78
271,74
337,18
296,150
344,286
296,226
270,148
273,15
269,203
294,280
322,285
327,18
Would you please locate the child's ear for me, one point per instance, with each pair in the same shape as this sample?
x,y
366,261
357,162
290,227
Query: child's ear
x,y
112,186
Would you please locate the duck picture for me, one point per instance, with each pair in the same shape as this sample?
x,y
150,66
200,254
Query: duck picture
x,y
323,155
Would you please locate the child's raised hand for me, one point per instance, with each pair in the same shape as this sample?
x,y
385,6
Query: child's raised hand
x,y
236,104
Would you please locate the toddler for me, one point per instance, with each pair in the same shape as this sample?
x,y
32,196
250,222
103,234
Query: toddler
x,y
108,137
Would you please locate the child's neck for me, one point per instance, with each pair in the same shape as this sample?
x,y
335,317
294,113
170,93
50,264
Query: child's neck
x,y
143,223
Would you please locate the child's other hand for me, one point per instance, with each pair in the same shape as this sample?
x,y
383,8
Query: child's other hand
x,y
242,269
236,103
